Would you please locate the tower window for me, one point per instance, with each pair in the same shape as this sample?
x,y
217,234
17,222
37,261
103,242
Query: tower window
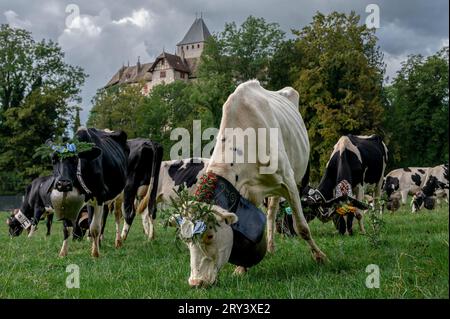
x,y
187,47
198,46
182,75
192,46
162,74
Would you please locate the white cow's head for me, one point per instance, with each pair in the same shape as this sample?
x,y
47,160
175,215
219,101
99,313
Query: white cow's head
x,y
207,232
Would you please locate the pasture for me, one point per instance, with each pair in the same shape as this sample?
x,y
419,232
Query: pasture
x,y
413,259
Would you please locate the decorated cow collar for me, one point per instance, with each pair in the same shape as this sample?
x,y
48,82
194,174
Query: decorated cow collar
x,y
23,220
65,150
215,189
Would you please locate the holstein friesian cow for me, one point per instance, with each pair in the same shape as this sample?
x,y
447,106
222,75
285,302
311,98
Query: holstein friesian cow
x,y
403,181
356,161
36,206
436,185
95,176
144,162
172,175
235,187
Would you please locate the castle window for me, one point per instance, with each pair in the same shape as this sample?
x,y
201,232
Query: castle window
x,y
162,74
198,46
192,46
187,47
182,75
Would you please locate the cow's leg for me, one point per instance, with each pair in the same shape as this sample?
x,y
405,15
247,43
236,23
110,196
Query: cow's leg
x,y
49,223
38,212
104,220
95,229
67,229
300,225
129,195
404,195
144,221
360,214
272,209
118,217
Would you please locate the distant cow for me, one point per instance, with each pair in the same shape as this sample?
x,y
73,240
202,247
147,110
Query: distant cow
x,y
95,176
403,181
356,161
36,206
436,184
172,175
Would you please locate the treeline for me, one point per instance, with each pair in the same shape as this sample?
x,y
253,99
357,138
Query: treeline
x,y
334,63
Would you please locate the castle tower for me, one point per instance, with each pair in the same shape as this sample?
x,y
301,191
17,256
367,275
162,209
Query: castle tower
x,y
194,41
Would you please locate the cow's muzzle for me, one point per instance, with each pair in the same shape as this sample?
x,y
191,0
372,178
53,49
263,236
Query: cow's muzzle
x,y
64,186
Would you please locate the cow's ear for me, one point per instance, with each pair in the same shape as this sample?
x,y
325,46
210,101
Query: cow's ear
x,y
91,155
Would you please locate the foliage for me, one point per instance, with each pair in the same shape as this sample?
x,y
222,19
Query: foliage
x,y
417,114
339,78
233,57
117,108
63,150
38,94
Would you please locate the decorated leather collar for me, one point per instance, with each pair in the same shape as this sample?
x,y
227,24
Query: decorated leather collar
x,y
215,189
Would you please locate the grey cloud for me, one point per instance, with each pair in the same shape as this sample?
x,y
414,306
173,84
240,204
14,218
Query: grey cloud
x,y
100,45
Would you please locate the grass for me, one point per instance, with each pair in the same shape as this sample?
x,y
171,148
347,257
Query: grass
x,y
413,258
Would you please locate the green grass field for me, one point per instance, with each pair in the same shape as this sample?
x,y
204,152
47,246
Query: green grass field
x,y
412,257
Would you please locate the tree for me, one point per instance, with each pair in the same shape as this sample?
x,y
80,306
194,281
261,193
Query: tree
x,y
233,57
116,108
339,78
38,92
417,115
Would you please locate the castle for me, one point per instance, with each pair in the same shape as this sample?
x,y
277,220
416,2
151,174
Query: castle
x,y
168,67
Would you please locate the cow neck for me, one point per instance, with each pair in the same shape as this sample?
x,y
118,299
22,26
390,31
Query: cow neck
x,y
214,189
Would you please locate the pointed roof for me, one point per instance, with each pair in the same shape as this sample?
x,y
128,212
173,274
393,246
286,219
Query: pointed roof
x,y
198,32
174,62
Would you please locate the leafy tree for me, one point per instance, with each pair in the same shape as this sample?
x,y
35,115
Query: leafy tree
x,y
280,72
232,57
417,115
168,107
38,92
339,78
116,108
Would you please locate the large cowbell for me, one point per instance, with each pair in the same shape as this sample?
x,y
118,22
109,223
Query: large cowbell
x,y
249,245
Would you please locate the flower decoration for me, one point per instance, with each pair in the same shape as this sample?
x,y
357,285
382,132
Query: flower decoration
x,y
206,187
346,209
63,150
192,217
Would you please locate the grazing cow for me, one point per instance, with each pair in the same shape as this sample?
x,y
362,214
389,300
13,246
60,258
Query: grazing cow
x,y
172,175
403,181
36,206
436,184
235,187
144,162
95,176
356,161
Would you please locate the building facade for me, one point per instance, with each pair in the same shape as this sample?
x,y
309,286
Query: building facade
x,y
168,67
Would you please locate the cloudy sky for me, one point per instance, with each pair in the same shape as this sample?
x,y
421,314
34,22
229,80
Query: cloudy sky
x,y
106,34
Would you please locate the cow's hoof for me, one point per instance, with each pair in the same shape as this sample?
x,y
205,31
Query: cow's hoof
x,y
118,243
239,271
62,254
95,254
320,257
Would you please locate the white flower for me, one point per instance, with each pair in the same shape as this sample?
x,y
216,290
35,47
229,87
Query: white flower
x,y
186,229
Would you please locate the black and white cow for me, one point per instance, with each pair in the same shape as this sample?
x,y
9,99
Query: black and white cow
x,y
36,206
95,176
356,161
403,182
172,175
435,185
144,162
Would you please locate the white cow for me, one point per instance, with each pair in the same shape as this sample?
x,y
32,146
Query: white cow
x,y
252,108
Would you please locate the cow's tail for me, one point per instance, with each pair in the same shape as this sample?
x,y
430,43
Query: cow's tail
x,y
143,203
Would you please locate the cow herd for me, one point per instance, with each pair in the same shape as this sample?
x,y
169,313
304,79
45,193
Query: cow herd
x,y
222,221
